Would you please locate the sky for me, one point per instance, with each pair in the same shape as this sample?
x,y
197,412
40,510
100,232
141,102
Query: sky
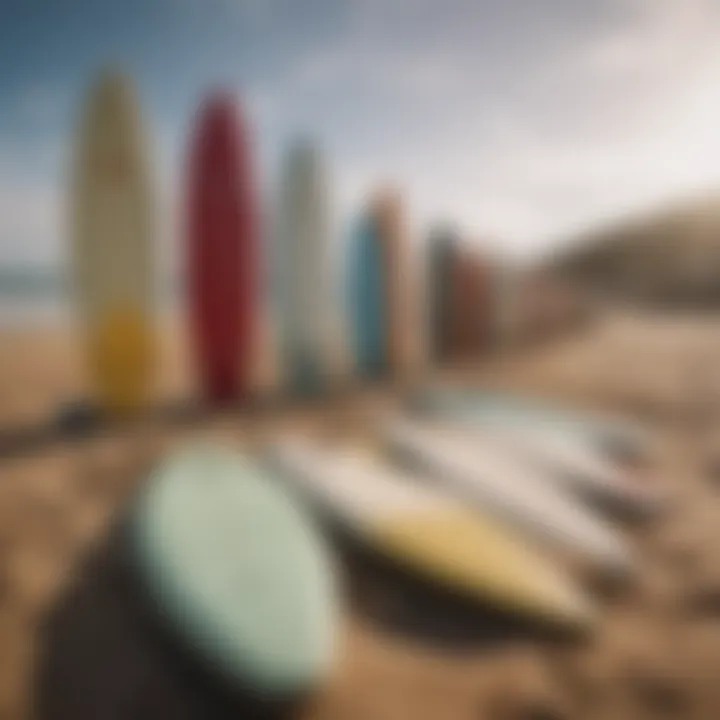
x,y
523,121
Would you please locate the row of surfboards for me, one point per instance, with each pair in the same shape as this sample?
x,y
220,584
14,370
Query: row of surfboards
x,y
487,496
114,233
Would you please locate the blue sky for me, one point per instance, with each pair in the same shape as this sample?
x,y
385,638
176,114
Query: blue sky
x,y
523,120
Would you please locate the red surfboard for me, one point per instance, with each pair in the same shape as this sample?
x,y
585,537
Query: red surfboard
x,y
222,251
469,299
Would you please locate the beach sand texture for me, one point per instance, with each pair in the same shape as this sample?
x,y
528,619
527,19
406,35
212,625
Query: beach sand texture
x,y
657,649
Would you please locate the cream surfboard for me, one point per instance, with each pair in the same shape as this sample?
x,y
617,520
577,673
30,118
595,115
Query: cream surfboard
x,y
515,492
430,534
112,233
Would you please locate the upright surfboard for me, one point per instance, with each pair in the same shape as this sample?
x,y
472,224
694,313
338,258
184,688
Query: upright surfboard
x,y
483,290
236,567
463,312
470,301
388,212
301,262
223,262
441,253
368,300
112,233
508,303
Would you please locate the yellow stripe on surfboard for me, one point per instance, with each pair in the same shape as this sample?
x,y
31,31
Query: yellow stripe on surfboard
x,y
431,534
471,554
122,350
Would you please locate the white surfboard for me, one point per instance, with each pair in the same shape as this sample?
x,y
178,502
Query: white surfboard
x,y
569,448
302,269
112,234
429,533
614,436
520,495
577,466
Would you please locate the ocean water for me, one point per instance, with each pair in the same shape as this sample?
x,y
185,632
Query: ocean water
x,y
41,297
31,295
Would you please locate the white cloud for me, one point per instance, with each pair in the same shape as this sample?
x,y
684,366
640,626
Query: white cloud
x,y
618,116
518,123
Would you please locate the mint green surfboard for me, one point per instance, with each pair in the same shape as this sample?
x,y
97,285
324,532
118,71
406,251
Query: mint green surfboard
x,y
237,569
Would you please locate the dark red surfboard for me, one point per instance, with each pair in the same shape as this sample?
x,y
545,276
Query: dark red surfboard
x,y
222,251
470,304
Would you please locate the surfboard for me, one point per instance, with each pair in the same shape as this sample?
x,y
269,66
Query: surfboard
x,y
485,473
508,302
441,252
609,434
367,301
581,467
222,251
236,569
461,313
430,534
388,212
481,283
302,265
112,246
572,448
469,304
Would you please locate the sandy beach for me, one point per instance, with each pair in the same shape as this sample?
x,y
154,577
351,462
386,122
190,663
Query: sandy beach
x,y
657,647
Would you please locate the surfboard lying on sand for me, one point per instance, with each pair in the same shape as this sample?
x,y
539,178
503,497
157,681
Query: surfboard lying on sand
x,y
429,533
237,570
112,236
615,436
579,467
475,468
569,450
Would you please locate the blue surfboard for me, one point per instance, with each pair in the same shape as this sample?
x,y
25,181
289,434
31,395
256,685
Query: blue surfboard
x,y
368,301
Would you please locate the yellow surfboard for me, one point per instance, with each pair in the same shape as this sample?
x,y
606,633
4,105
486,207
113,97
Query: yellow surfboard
x,y
112,233
431,534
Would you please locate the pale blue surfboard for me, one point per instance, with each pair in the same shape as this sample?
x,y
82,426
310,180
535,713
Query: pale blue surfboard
x,y
368,300
586,453
237,569
604,434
